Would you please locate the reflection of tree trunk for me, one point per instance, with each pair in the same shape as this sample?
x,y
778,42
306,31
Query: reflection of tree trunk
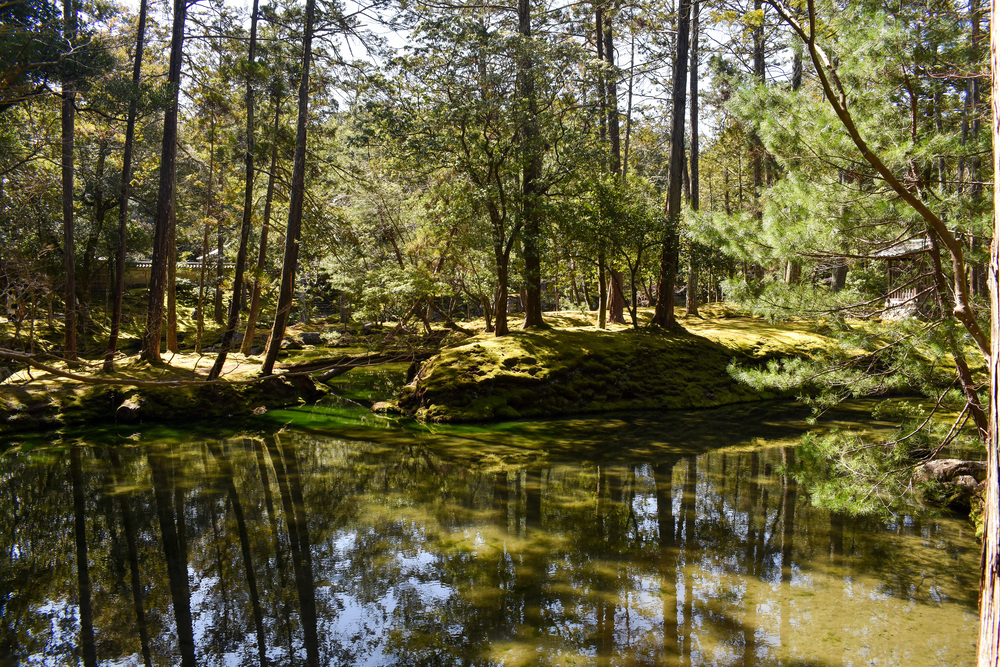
x,y
241,525
787,539
836,536
611,528
222,607
501,499
258,278
533,498
788,513
750,608
175,553
128,526
663,477
82,570
265,483
290,487
688,512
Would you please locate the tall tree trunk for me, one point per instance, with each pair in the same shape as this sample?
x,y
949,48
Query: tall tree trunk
x,y
756,145
165,197
602,287
692,286
69,245
664,316
614,131
241,255
126,186
101,206
628,110
989,595
502,259
171,322
258,279
531,172
202,276
294,230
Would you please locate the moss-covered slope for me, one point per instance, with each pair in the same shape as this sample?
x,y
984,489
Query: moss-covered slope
x,y
581,370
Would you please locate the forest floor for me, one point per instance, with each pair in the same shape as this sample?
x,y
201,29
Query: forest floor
x,y
572,367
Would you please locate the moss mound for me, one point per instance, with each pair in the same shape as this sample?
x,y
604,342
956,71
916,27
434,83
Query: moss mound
x,y
586,370
49,402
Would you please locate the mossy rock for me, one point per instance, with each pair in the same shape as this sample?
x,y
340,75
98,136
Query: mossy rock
x,y
189,403
568,371
78,404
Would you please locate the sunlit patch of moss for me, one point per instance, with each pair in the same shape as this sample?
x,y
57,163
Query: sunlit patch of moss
x,y
584,370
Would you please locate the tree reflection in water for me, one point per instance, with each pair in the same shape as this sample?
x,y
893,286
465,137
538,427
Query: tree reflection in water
x,y
300,549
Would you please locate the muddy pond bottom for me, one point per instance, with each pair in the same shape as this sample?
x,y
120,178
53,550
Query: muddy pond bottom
x,y
523,545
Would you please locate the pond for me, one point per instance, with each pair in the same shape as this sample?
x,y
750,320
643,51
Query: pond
x,y
614,540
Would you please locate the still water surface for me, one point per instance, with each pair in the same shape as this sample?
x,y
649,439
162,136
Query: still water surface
x,y
637,540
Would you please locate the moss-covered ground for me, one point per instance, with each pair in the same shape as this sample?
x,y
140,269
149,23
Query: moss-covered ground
x,y
574,367
570,368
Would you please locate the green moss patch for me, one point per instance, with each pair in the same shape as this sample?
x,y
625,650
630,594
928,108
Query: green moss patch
x,y
587,370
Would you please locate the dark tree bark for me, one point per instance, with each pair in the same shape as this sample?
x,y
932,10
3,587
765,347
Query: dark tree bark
x,y
241,255
294,229
692,286
165,197
602,94
616,298
126,187
532,189
69,244
664,316
611,86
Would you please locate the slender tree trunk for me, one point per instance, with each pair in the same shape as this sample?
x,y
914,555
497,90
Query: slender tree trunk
x,y
664,316
602,288
241,255
294,230
692,286
254,311
503,290
989,595
101,206
126,187
202,277
628,110
531,172
165,197
614,131
69,245
171,323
